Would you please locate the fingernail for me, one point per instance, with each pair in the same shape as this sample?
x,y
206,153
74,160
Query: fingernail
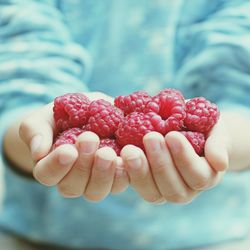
x,y
35,143
153,144
88,147
65,160
175,146
134,163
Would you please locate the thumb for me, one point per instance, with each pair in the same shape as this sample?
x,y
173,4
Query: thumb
x,y
37,130
217,147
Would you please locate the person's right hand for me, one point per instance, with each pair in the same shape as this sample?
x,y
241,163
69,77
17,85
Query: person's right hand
x,y
76,170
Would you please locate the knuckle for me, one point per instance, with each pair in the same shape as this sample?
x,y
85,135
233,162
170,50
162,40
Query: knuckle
x,y
24,127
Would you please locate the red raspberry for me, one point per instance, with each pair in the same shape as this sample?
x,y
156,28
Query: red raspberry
x,y
201,115
134,126
68,136
107,142
70,110
170,91
170,105
196,139
104,118
134,102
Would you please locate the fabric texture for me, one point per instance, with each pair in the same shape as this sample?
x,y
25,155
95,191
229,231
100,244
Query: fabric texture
x,y
48,48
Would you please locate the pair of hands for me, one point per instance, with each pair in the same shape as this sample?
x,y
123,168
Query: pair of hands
x,y
169,171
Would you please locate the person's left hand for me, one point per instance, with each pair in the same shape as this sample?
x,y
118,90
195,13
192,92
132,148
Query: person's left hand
x,y
171,170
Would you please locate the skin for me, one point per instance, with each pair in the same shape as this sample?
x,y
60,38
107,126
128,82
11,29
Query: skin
x,y
76,170
170,170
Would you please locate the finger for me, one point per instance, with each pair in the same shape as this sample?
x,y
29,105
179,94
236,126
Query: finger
x,y
139,173
195,170
166,176
216,148
52,168
102,175
36,131
160,201
121,179
74,183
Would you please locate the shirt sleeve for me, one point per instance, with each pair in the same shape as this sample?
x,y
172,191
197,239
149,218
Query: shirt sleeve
x,y
38,58
212,53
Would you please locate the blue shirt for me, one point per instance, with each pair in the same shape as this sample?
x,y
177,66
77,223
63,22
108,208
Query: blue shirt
x,y
48,48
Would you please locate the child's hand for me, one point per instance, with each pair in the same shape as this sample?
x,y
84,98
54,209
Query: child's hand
x,y
172,171
77,170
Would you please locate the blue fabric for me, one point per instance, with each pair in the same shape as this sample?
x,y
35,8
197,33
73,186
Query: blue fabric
x,y
52,47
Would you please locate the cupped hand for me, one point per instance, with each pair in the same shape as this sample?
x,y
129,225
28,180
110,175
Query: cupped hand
x,y
171,170
77,170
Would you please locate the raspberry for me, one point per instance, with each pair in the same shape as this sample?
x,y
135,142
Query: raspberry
x,y
104,118
201,115
134,126
196,139
134,102
171,92
170,105
68,136
107,142
70,110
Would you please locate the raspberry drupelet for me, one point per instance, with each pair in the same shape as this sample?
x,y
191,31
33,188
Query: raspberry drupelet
x,y
134,126
104,118
68,136
201,115
197,140
112,143
132,116
70,110
134,102
170,105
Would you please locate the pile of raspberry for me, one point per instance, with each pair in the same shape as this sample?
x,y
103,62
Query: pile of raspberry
x,y
132,116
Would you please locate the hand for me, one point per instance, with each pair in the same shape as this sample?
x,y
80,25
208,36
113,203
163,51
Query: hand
x,y
171,170
77,170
